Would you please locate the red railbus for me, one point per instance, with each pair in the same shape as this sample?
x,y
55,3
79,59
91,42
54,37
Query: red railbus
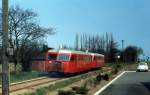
x,y
68,61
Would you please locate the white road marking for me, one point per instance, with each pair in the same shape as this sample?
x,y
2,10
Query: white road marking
x,y
103,88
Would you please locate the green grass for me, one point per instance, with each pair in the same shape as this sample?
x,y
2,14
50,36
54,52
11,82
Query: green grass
x,y
21,76
58,85
61,84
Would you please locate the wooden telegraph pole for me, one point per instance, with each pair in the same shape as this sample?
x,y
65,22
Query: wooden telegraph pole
x,y
5,48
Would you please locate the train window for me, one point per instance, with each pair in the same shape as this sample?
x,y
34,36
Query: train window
x,y
88,59
63,57
52,56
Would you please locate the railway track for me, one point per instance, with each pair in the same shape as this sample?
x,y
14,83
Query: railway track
x,y
30,83
33,83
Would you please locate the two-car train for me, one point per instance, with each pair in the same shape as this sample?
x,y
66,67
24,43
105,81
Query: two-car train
x,y
67,61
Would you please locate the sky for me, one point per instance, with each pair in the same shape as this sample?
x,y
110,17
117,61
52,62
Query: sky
x,y
128,20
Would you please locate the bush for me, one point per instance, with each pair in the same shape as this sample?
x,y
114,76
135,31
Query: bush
x,y
82,90
116,68
98,77
75,88
106,77
61,92
115,71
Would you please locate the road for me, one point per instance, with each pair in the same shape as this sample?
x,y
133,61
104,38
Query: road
x,y
130,83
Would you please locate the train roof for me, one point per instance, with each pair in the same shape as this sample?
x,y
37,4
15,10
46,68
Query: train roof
x,y
53,50
97,54
73,51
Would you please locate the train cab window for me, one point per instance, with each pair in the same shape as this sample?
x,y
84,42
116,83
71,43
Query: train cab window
x,y
52,56
63,57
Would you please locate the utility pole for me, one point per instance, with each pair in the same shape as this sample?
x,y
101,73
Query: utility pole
x,y
5,48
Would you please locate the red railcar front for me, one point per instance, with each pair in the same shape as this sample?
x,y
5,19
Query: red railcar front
x,y
43,61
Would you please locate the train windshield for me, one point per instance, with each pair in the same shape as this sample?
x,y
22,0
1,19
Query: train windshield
x,y
63,57
52,56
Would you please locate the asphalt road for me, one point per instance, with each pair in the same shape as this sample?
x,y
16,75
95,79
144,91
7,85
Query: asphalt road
x,y
130,83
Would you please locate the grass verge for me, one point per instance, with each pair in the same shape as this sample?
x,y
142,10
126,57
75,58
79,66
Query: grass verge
x,y
21,76
58,85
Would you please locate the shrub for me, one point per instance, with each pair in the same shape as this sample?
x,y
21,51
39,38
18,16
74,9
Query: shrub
x,y
98,77
106,77
116,68
115,71
62,92
75,88
82,90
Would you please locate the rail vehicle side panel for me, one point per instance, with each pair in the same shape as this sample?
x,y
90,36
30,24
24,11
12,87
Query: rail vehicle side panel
x,y
38,66
88,63
92,63
80,63
47,66
70,67
72,64
38,63
100,61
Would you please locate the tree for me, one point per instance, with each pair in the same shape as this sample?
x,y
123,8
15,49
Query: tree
x,y
131,53
77,42
24,30
100,44
112,50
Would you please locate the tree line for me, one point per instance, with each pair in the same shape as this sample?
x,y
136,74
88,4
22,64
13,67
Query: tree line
x,y
106,45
